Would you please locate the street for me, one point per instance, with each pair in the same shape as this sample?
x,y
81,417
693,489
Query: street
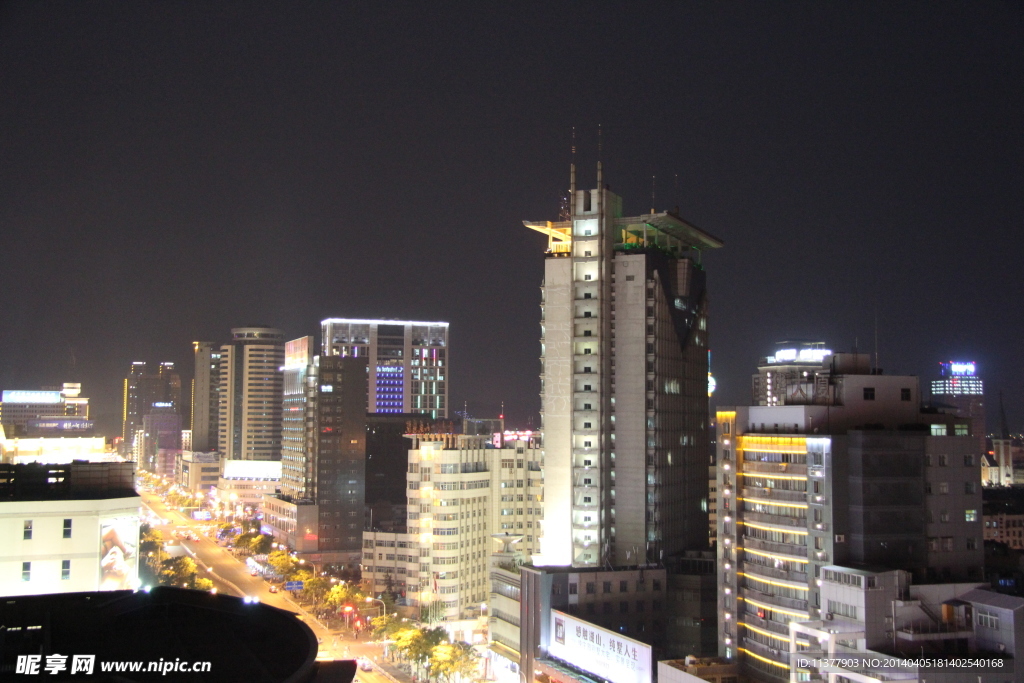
x,y
231,576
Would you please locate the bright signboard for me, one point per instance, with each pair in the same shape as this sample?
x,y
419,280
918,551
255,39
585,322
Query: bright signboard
x,y
32,397
119,553
601,652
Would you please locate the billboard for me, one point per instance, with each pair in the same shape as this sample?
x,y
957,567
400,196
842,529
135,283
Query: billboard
x,y
119,553
32,397
599,651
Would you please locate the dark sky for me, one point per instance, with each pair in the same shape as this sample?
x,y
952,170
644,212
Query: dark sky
x,y
170,170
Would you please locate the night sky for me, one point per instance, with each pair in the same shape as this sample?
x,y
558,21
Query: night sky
x,y
171,170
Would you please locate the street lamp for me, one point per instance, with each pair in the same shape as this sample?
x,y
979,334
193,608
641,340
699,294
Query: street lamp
x,y
383,607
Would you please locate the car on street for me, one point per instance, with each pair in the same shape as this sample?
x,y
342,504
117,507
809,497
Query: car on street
x,y
273,588
365,664
253,572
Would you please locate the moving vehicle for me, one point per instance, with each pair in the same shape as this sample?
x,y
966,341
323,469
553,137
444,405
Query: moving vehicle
x,y
364,664
273,588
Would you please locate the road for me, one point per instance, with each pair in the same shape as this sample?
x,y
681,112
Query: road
x,y
231,576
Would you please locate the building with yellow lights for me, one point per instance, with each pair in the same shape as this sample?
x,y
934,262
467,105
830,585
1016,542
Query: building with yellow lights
x,y
624,384
854,474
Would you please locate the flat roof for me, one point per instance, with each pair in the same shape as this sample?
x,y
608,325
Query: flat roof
x,y
369,321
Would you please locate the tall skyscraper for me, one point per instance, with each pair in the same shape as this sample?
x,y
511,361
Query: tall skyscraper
x,y
249,421
408,361
205,403
850,472
961,387
320,509
624,386
146,386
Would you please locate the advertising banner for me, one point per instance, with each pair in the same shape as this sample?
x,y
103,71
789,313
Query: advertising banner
x,y
119,553
601,652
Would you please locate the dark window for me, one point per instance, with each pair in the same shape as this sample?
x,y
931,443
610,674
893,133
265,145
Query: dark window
x,y
572,588
26,533
623,607
591,588
590,608
67,528
623,587
869,393
639,605
607,587
607,608
904,394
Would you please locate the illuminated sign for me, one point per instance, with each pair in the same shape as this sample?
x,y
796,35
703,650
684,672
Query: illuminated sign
x,y
799,355
163,404
298,352
252,469
119,553
956,368
61,424
604,653
32,397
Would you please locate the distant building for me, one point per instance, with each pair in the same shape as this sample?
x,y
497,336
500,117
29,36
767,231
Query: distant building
x,y
320,509
249,395
962,388
205,396
1004,522
148,385
54,449
68,528
244,483
198,472
159,440
784,374
61,412
408,361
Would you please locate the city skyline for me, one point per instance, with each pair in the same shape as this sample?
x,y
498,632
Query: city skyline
x,y
860,164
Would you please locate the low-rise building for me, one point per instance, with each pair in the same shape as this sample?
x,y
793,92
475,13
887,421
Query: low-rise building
x,y
68,528
198,472
243,483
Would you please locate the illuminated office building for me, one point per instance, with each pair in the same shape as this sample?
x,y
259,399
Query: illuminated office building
x,y
408,361
148,385
822,483
250,381
25,413
961,387
319,512
624,386
205,402
786,371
